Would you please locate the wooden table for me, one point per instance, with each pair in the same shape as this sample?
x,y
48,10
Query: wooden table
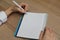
x,y
52,7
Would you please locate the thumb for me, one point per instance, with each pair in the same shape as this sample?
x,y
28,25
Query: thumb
x,y
41,36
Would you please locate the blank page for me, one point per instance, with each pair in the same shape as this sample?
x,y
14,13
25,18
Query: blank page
x,y
32,25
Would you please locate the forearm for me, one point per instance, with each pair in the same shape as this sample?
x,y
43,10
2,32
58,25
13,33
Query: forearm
x,y
4,15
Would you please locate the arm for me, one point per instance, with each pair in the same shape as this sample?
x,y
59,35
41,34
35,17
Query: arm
x,y
15,8
6,13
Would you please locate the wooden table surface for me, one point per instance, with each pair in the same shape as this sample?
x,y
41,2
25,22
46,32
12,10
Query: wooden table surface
x,y
52,7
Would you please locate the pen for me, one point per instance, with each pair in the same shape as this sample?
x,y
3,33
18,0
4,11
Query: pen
x,y
18,5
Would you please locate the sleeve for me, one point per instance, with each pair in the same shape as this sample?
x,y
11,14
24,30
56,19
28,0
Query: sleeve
x,y
3,17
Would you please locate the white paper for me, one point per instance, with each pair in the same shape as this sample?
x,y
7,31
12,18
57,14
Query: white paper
x,y
32,25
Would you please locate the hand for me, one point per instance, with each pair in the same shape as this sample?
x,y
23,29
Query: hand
x,y
15,9
48,35
23,5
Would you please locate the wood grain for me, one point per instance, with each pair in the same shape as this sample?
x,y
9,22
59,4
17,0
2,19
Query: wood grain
x,y
52,7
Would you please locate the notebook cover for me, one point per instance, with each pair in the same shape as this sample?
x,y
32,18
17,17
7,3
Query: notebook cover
x,y
18,26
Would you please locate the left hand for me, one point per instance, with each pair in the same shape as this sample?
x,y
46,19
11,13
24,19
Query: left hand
x,y
48,35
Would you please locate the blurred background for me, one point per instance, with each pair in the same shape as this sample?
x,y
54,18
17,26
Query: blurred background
x,y
52,7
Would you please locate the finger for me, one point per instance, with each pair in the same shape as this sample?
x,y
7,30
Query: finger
x,y
52,32
25,6
41,35
21,10
49,30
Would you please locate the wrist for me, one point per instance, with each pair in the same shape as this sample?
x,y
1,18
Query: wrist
x,y
8,11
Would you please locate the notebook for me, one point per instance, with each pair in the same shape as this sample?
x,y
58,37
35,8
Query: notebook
x,y
31,24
